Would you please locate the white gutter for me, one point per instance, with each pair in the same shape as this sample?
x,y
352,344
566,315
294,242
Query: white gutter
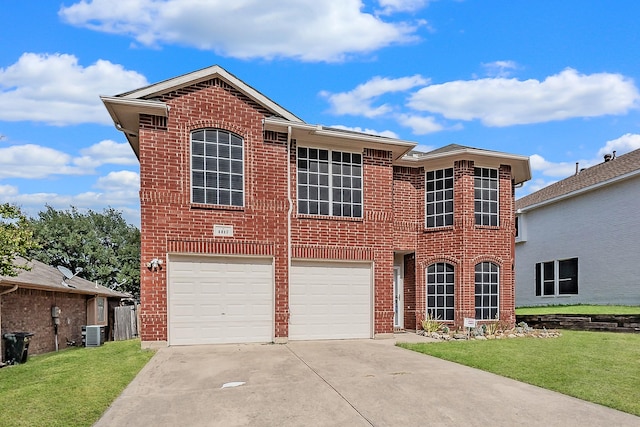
x,y
580,191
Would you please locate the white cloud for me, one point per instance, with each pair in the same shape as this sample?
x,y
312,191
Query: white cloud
x,y
117,189
392,6
55,89
308,30
121,182
386,133
106,152
359,100
35,161
420,125
500,68
561,170
626,143
506,102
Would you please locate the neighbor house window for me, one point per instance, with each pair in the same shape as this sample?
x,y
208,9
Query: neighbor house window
x,y
486,196
557,277
329,183
486,292
439,198
217,168
101,309
440,291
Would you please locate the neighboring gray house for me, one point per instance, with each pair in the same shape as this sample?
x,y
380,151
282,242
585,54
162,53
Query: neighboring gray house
x,y
578,240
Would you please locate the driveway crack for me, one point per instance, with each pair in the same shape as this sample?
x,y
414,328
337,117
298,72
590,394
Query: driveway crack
x,y
330,385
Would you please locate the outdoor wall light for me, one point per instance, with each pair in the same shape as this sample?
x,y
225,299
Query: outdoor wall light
x,y
155,264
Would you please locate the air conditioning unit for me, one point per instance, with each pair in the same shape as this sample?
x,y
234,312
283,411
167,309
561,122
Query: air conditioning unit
x,y
94,336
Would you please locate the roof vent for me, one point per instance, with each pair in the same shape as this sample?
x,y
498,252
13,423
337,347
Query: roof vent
x,y
607,157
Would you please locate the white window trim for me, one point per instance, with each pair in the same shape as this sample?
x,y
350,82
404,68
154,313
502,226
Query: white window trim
x,y
556,279
445,307
330,185
497,294
426,216
244,184
497,202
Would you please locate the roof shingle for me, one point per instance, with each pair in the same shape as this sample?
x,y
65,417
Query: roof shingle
x,y
586,178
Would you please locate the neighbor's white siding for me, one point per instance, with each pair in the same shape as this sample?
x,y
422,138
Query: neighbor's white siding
x,y
602,229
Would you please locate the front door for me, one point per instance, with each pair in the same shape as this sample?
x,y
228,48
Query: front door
x,y
398,317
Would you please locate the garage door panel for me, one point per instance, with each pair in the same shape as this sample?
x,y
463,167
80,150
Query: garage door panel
x,y
330,300
220,300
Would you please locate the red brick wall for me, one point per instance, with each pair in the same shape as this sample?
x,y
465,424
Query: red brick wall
x,y
464,244
28,310
409,291
170,223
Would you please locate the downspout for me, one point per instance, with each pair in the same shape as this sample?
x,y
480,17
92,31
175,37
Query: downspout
x,y
289,213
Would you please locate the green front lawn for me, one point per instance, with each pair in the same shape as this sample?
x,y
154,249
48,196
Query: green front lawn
x,y
579,309
601,367
70,388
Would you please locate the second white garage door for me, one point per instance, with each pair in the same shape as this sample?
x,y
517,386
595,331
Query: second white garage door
x,y
330,300
216,300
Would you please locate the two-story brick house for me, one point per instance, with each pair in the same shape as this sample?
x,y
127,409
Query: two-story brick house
x,y
269,229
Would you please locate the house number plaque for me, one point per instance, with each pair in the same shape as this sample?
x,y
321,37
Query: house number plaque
x,y
223,230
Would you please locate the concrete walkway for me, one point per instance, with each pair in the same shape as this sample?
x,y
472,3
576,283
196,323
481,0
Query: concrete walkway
x,y
336,383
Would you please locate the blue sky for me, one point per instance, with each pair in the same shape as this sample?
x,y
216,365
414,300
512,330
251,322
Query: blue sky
x,y
554,80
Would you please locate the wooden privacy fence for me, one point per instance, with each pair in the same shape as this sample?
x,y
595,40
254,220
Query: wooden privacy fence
x,y
126,322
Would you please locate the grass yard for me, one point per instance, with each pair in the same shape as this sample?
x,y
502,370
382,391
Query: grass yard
x,y
70,388
601,367
579,309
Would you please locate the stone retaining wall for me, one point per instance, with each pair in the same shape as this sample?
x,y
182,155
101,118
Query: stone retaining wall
x,y
583,322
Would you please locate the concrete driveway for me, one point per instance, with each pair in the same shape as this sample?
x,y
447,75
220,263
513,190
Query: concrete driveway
x,y
336,383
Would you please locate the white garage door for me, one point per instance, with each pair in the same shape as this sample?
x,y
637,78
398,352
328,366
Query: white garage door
x,y
330,300
220,300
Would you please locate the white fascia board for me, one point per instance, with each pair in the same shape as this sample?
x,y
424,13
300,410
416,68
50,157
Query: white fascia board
x,y
319,135
580,191
521,169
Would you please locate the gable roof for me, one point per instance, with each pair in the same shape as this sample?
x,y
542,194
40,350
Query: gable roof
x,y
125,108
442,157
47,278
606,173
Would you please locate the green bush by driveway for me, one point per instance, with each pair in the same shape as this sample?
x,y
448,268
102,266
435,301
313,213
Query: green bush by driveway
x,y
71,388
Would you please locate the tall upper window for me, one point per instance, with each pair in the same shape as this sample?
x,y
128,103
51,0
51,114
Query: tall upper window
x,y
440,291
439,198
486,196
557,277
329,182
217,168
486,293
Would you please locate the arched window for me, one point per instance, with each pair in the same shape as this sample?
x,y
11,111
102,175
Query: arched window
x,y
487,286
440,291
217,168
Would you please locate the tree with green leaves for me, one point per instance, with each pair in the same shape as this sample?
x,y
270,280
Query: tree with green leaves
x,y
102,244
16,240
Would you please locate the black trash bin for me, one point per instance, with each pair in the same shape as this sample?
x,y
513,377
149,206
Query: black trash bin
x,y
16,347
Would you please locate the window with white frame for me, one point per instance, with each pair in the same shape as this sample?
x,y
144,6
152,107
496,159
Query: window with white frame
x,y
217,168
558,277
487,290
329,182
439,198
486,196
440,291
